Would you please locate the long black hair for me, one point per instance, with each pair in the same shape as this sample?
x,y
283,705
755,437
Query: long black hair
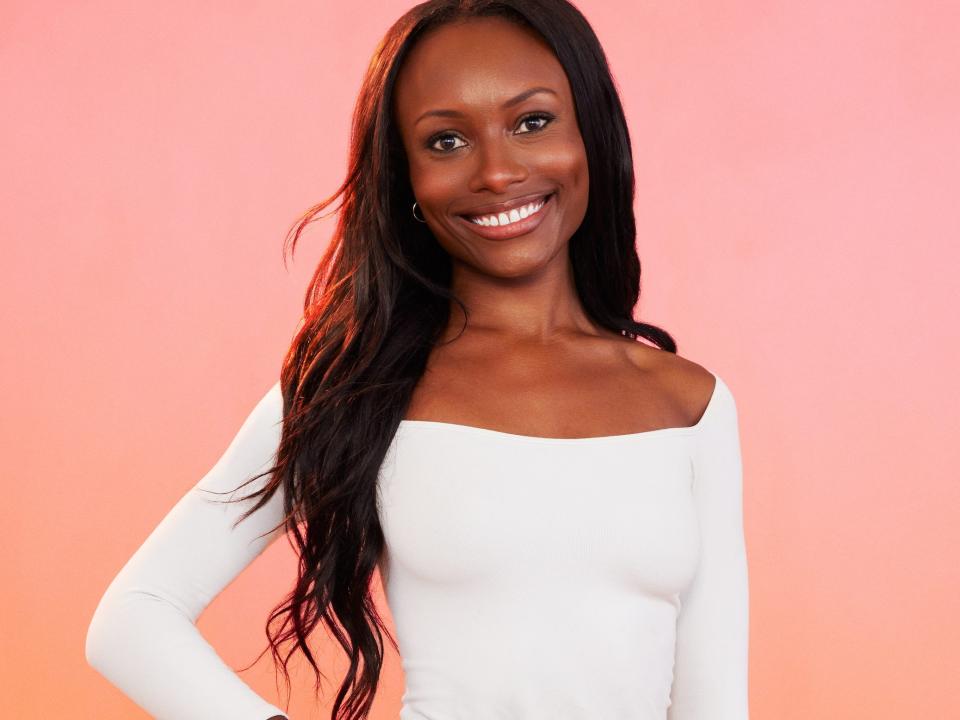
x,y
379,301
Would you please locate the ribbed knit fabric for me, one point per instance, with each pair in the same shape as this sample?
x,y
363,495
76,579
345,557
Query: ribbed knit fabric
x,y
529,578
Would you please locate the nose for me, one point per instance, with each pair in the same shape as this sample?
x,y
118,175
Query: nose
x,y
498,166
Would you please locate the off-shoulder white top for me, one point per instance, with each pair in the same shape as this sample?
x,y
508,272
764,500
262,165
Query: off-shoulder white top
x,y
529,578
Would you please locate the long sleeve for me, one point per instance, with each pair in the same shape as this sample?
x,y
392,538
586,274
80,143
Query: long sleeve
x,y
143,636
710,670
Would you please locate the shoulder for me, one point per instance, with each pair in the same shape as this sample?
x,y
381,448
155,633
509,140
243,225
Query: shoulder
x,y
691,386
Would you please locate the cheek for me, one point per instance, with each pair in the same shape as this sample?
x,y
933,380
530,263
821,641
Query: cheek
x,y
567,161
569,165
432,185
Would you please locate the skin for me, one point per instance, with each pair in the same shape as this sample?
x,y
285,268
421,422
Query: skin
x,y
530,361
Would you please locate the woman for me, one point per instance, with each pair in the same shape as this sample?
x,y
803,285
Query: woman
x,y
554,507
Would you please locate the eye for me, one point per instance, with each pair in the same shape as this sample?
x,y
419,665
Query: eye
x,y
545,118
537,116
442,137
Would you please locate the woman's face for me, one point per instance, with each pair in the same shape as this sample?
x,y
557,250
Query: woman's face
x,y
488,124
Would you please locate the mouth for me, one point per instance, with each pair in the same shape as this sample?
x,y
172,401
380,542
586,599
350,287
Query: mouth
x,y
513,223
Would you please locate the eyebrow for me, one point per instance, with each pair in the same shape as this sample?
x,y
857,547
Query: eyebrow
x,y
516,100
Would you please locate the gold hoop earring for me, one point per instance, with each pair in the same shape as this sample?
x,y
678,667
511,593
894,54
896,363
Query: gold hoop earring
x,y
415,213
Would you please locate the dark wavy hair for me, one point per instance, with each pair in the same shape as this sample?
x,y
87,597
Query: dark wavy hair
x,y
378,302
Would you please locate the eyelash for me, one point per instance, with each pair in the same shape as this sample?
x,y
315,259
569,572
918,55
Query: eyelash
x,y
439,136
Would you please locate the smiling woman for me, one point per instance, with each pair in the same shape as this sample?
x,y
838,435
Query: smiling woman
x,y
493,131
554,506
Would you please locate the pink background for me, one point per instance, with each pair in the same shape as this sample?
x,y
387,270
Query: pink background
x,y
797,169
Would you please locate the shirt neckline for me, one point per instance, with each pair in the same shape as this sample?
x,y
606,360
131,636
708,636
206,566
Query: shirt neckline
x,y
490,432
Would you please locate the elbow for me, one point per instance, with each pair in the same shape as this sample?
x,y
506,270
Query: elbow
x,y
126,624
95,643
111,629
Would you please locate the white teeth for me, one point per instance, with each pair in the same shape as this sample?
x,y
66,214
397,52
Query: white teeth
x,y
511,217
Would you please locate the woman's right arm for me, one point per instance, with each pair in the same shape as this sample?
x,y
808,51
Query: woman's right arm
x,y
143,636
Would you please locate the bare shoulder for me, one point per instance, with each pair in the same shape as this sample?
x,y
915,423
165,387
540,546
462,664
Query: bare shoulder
x,y
690,385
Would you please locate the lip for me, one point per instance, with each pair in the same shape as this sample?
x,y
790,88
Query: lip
x,y
521,227
507,205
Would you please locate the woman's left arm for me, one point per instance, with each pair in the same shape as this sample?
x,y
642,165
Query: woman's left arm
x,y
710,669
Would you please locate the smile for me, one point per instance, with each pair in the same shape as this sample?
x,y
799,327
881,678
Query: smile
x,y
505,225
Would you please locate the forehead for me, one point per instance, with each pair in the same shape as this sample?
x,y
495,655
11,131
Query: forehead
x,y
479,62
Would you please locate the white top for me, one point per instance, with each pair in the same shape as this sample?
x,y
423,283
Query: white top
x,y
529,578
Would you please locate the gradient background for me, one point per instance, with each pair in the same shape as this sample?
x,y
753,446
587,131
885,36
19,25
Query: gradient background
x,y
797,169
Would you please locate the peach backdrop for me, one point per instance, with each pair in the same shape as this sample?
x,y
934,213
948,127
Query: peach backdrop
x,y
797,169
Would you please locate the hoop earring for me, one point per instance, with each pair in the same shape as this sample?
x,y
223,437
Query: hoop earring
x,y
415,213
